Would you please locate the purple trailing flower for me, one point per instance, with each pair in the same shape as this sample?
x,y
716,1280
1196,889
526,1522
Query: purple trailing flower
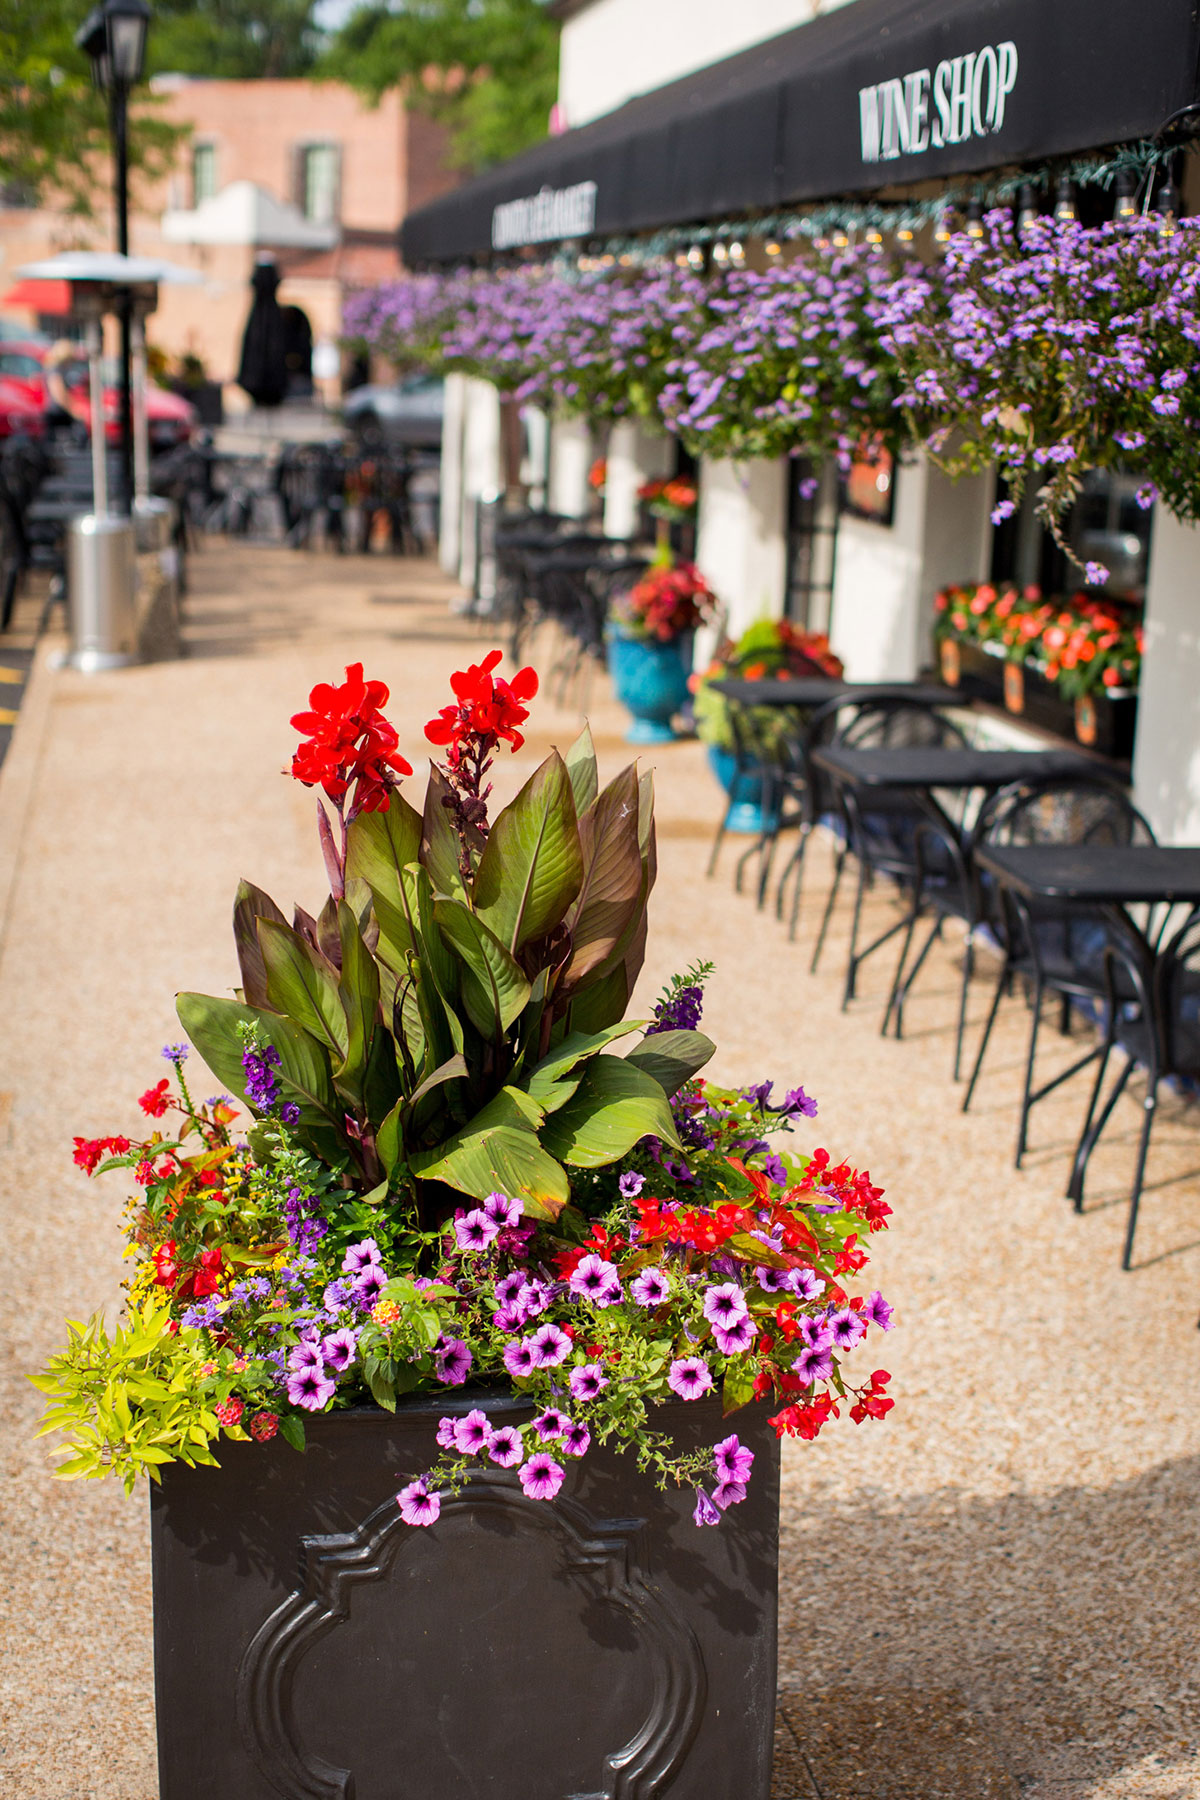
x,y
340,1348
520,1359
739,1336
262,1089
729,1493
368,1285
445,1433
773,1168
360,1256
878,1311
549,1346
506,1447
796,1104
175,1054
289,1112
814,1363
725,1305
804,1283
771,1281
631,1184
846,1328
541,1476
417,1505
453,1363
310,1388
501,1210
473,1434
551,1424
680,1012
534,1297
705,1513
204,1315
509,1286
475,1231
508,1318
651,1288
337,1296
689,1377
732,1460
305,1355
596,1280
587,1381
815,1332
576,1439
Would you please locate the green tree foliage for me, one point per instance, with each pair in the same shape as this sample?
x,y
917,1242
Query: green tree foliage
x,y
234,39
488,68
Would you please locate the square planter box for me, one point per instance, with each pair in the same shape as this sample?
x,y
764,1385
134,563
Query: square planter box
x,y
1101,721
311,1646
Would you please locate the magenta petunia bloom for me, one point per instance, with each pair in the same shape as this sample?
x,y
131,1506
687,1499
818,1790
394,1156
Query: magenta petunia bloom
x,y
502,1211
519,1358
814,1363
596,1280
705,1513
806,1284
576,1439
651,1288
417,1505
535,1297
587,1381
733,1461
878,1311
549,1346
725,1305
729,1493
689,1377
310,1388
846,1328
475,1231
551,1424
340,1348
506,1447
737,1337
631,1184
305,1355
816,1333
369,1283
508,1318
359,1255
445,1433
473,1434
453,1363
509,1286
541,1476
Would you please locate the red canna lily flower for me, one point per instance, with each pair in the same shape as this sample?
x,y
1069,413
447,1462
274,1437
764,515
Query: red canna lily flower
x,y
487,708
351,744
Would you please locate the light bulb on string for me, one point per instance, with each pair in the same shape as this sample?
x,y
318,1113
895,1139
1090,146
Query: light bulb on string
x,y
874,237
975,220
695,257
1166,204
737,255
943,231
904,234
1065,212
1027,206
1126,202
774,249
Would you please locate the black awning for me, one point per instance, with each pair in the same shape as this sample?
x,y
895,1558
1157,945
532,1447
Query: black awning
x,y
877,93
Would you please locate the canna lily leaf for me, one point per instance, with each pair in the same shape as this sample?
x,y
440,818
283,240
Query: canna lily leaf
x,y
672,1057
574,1049
302,985
614,1106
380,844
498,1152
358,991
581,767
250,905
532,865
613,882
304,1072
494,988
440,846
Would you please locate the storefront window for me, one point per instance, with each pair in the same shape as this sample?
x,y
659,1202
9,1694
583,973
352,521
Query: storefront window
x,y
1106,525
319,180
204,172
812,516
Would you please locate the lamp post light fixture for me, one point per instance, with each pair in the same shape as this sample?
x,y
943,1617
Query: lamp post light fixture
x,y
114,38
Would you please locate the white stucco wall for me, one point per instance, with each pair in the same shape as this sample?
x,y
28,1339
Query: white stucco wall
x,y
635,455
1166,759
614,49
741,545
453,420
571,455
887,575
482,472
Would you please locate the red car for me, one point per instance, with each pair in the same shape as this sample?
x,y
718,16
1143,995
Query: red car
x,y
19,415
171,420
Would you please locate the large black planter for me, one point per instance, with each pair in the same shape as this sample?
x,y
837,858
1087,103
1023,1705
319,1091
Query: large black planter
x,y
308,1644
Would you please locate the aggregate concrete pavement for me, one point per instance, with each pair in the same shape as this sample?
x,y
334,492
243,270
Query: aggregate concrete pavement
x,y
993,1593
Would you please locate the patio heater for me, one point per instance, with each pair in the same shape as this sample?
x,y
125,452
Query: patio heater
x,y
114,37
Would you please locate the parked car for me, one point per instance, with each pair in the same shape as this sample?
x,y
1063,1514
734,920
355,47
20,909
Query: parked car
x,y
406,412
171,420
19,415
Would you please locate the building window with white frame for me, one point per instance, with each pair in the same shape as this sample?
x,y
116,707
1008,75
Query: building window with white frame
x,y
204,172
320,183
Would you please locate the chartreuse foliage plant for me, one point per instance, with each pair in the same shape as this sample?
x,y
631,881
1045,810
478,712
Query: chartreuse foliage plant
x,y
458,1169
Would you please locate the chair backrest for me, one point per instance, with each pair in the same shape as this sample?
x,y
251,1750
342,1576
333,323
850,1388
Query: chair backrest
x,y
1075,809
1177,999
895,723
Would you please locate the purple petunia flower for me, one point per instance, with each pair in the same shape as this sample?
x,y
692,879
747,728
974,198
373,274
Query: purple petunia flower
x,y
549,1346
473,1434
797,1101
340,1348
519,1358
550,1424
725,1305
631,1184
814,1363
541,1476
508,1318
453,1363
739,1336
587,1381
305,1356
771,1281
705,1513
846,1328
506,1447
878,1311
576,1439
651,1288
369,1283
475,1231
534,1297
804,1283
445,1434
689,1377
509,1286
816,1333
417,1505
337,1295
310,1388
501,1210
729,1493
360,1256
596,1280
732,1460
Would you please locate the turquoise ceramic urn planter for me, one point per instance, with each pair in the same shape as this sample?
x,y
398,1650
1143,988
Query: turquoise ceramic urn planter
x,y
651,679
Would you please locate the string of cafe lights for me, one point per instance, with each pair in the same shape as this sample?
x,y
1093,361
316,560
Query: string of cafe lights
x,y
1131,170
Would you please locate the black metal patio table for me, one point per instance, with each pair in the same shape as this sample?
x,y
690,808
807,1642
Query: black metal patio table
x,y
815,690
1096,874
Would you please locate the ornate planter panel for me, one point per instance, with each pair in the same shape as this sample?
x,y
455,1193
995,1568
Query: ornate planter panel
x,y
311,1646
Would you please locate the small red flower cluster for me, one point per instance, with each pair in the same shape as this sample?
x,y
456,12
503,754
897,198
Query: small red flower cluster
x,y
487,710
668,601
155,1101
351,743
90,1152
193,1282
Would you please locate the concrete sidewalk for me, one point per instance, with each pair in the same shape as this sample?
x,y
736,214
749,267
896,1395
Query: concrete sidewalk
x,y
996,1592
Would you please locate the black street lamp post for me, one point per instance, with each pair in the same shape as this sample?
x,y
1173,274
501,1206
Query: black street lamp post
x,y
114,37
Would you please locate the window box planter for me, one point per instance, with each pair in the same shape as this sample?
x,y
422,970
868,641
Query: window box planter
x,y
1104,721
309,1645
